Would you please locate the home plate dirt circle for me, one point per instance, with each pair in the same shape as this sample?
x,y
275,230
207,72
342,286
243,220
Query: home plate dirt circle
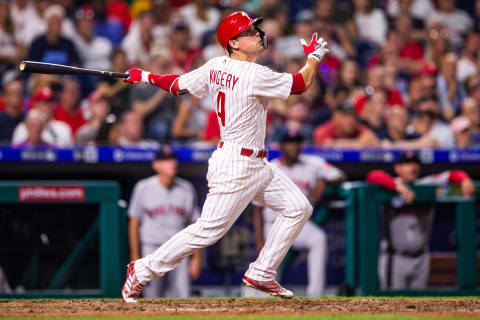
x,y
431,307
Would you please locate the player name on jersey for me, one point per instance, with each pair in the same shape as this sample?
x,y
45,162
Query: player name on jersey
x,y
223,79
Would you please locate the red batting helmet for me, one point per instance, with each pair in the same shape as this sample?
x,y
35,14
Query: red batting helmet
x,y
233,25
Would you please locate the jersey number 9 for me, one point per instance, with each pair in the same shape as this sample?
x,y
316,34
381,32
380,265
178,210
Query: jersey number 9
x,y
221,107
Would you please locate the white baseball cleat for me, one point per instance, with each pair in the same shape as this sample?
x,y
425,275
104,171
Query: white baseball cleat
x,y
271,287
132,286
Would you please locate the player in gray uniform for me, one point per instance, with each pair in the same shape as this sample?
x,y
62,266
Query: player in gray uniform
x,y
404,260
160,206
310,174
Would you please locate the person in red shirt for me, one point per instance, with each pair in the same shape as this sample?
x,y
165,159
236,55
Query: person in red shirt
x,y
404,260
344,130
68,110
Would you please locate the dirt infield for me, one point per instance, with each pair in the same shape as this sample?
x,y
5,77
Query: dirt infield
x,y
232,306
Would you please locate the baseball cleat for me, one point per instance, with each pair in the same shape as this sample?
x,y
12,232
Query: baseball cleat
x,y
271,287
132,287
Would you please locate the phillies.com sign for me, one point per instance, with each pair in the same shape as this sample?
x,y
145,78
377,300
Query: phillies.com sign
x,y
51,193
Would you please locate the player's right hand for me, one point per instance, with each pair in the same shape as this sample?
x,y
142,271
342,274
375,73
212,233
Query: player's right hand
x,y
317,49
405,192
137,76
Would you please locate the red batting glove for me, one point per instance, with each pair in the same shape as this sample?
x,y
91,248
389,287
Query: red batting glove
x,y
316,49
137,76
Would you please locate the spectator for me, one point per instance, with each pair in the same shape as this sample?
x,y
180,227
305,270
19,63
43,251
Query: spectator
x,y
295,122
404,261
183,54
156,107
138,48
462,132
94,50
369,23
90,132
310,174
35,124
24,14
160,206
471,110
117,91
287,45
68,110
448,89
200,17
453,21
373,113
52,47
396,135
418,9
467,64
10,50
438,45
13,113
472,86
344,130
56,133
130,132
189,123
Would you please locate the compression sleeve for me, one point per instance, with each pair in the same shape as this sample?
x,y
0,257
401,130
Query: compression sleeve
x,y
298,85
457,176
168,82
381,178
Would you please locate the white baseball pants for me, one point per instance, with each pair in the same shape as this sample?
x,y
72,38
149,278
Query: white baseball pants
x,y
234,181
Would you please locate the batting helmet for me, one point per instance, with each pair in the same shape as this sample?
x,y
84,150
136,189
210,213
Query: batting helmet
x,y
235,24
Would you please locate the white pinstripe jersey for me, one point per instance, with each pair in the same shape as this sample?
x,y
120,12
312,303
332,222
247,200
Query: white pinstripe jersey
x,y
240,92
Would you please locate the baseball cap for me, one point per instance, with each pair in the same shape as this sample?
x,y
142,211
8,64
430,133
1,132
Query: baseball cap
x,y
44,95
345,107
304,16
408,157
459,124
165,154
288,136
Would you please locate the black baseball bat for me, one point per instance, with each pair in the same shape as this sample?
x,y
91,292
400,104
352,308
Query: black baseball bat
x,y
51,68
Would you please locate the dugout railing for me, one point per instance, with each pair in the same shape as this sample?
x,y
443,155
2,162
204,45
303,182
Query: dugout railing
x,y
110,226
362,202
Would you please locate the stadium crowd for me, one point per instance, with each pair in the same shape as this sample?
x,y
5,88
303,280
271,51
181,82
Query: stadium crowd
x,y
400,73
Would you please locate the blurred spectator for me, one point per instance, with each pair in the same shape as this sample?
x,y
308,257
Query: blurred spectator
x,y
189,124
471,110
131,130
396,135
369,23
472,86
404,259
12,114
295,123
448,89
23,14
373,113
344,130
116,90
68,110
35,124
138,47
419,9
183,55
454,22
56,133
288,45
425,122
113,12
99,108
200,17
436,47
52,47
10,49
94,50
156,107
467,64
461,130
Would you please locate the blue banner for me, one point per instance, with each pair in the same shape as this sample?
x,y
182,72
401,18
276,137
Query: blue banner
x,y
201,155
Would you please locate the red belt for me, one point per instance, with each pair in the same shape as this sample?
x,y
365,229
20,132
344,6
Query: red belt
x,y
248,152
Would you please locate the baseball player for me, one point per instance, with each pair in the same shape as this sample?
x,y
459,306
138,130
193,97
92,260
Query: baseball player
x,y
162,205
404,261
309,173
238,171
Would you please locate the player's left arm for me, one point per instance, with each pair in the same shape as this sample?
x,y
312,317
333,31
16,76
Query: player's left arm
x,y
168,82
452,176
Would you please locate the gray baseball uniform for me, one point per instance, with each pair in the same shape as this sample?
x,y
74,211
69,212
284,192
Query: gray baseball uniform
x,y
305,174
162,212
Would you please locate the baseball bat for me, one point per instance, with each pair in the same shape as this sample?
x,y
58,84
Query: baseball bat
x,y
51,68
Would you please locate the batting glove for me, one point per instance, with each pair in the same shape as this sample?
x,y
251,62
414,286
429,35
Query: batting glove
x,y
316,49
137,76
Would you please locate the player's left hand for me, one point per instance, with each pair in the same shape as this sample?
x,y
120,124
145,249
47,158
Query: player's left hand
x,y
194,268
137,76
317,49
468,187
